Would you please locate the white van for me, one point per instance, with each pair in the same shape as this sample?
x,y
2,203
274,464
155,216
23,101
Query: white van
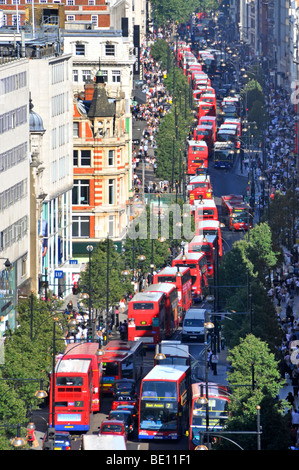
x,y
193,325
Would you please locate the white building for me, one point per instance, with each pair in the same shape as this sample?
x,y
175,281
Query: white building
x,y
114,52
52,98
14,185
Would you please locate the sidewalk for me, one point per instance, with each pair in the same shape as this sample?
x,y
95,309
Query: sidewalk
x,y
221,371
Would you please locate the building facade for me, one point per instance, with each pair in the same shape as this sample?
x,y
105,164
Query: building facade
x,y
52,99
102,166
14,184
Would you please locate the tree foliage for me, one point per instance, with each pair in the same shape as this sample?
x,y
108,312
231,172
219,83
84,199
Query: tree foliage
x,y
176,124
247,267
28,358
255,381
119,285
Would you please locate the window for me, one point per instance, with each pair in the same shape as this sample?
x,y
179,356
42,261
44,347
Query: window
x,y
80,194
81,226
54,171
75,129
111,192
105,75
116,76
12,157
80,49
62,168
110,49
16,19
54,138
75,158
70,17
13,194
75,75
85,158
57,73
82,158
111,225
86,75
13,82
110,157
94,20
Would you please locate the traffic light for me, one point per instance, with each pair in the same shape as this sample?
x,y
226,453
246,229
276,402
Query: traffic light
x,y
89,335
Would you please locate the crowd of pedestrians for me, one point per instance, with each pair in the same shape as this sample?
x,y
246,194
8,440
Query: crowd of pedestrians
x,y
285,295
158,103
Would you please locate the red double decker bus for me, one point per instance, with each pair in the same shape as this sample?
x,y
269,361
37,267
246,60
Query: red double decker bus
x,y
205,209
205,109
204,133
72,398
87,351
171,306
146,317
211,227
209,121
197,262
198,153
217,412
199,187
236,212
164,402
206,244
181,278
121,359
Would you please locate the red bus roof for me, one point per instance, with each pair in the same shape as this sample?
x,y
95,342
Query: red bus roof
x,y
116,345
172,270
190,256
83,349
147,296
166,373
164,287
214,389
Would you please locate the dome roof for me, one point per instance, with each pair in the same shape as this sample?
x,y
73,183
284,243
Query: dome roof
x,y
35,121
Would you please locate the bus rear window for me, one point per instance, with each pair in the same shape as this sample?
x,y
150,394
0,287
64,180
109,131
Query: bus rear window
x,y
143,306
69,381
110,368
166,278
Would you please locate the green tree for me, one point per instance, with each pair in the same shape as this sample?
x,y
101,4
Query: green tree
x,y
255,380
119,285
175,126
246,266
13,412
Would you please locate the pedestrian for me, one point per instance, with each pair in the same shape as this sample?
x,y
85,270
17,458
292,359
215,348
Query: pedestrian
x,y
214,362
295,382
209,357
291,399
122,330
100,337
295,418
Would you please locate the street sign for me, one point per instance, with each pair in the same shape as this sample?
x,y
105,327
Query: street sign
x,y
58,274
